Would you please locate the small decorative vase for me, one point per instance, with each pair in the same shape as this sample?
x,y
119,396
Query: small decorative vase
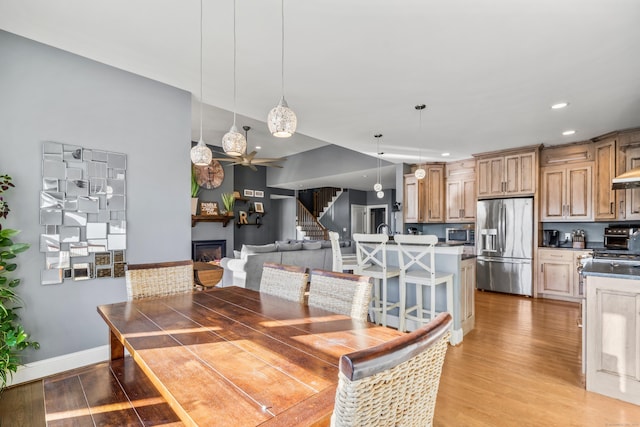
x,y
194,205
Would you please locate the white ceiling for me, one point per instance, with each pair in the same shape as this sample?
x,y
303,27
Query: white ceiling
x,y
488,71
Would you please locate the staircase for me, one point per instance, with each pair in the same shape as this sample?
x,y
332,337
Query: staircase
x,y
309,226
308,223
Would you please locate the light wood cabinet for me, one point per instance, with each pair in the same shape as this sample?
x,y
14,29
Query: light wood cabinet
x,y
612,329
467,294
511,174
605,204
413,194
558,274
461,191
424,198
628,158
567,193
434,197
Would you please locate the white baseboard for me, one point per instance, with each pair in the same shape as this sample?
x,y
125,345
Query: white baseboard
x,y
55,365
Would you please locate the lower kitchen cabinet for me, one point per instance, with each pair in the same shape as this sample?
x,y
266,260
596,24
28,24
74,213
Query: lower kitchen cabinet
x,y
467,294
612,330
557,273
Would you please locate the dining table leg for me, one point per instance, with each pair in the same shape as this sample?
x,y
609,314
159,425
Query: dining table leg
x,y
116,348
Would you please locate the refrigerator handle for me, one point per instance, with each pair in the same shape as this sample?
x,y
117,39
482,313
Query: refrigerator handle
x,y
504,227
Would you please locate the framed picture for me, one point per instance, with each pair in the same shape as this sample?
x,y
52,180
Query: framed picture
x,y
259,193
209,208
259,207
248,193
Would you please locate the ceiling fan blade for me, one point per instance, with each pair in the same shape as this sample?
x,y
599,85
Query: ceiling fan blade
x,y
224,159
253,168
282,159
251,155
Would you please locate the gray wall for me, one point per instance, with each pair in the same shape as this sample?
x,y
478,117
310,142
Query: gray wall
x,y
49,94
215,230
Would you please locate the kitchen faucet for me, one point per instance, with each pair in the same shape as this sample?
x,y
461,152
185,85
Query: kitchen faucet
x,y
382,225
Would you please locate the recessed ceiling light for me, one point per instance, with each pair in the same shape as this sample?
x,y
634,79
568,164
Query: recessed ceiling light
x,y
445,154
568,132
559,105
258,147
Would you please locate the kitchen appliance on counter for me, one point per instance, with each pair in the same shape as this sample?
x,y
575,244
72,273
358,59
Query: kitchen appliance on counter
x,y
412,230
620,236
460,235
551,238
504,229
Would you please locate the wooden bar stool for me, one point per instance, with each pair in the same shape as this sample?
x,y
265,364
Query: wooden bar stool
x,y
417,259
371,252
341,262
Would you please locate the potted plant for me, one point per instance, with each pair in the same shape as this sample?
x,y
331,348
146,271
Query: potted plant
x,y
228,200
13,338
195,191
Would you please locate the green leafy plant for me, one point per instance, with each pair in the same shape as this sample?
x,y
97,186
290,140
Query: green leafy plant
x,y
195,188
13,338
228,200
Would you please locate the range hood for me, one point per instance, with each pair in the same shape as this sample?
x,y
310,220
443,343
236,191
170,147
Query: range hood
x,y
629,179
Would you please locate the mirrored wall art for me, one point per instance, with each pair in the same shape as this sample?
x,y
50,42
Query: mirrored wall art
x,y
82,213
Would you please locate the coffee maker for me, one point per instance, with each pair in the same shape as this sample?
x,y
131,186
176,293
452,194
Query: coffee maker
x,y
550,238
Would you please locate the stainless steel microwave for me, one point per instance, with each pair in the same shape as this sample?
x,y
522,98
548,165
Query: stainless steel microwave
x,y
460,235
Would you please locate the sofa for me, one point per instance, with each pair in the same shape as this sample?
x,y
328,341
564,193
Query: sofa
x,y
245,270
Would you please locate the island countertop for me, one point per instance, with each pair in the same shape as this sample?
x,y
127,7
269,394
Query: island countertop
x,y
621,270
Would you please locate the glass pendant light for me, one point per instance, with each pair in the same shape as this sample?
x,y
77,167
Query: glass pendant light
x,y
377,187
233,142
201,154
420,173
282,121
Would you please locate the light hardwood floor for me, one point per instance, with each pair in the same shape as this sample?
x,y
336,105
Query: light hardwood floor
x,y
520,366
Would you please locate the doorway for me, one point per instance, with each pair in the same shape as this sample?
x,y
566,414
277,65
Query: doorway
x,y
358,219
377,215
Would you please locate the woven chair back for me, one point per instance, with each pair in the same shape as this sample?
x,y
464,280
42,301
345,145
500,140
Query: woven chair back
x,y
371,251
159,279
395,383
418,251
341,293
284,281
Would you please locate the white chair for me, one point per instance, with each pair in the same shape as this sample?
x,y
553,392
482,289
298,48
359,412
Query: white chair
x,y
371,251
341,262
416,256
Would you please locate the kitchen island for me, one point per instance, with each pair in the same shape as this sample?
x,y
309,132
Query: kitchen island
x,y
449,259
611,329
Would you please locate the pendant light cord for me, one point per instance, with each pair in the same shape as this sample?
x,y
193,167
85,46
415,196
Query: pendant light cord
x,y
201,100
282,43
234,62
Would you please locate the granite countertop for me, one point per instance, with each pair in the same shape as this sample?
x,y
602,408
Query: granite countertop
x,y
589,246
622,270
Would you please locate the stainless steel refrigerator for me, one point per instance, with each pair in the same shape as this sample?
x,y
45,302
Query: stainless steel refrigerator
x,y
504,245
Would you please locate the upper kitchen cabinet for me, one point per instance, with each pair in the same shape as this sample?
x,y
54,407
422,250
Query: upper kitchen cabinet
x,y
628,157
413,198
567,182
605,204
507,174
424,198
461,191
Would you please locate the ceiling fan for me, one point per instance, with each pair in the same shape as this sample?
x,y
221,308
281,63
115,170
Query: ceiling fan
x,y
249,160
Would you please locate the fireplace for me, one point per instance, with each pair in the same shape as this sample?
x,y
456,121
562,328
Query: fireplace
x,y
208,250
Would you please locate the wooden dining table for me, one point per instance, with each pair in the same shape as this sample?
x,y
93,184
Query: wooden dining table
x,y
235,357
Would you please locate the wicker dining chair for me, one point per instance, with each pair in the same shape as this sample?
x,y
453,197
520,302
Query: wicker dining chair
x,y
284,281
341,293
159,279
394,383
